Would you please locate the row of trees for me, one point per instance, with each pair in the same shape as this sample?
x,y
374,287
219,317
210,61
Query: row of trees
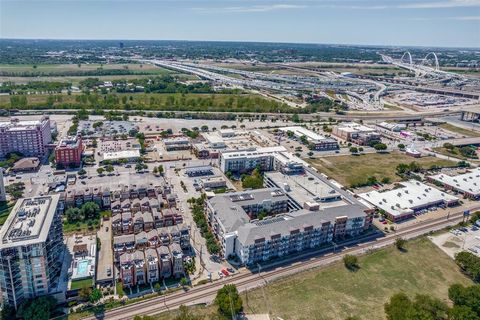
x,y
202,224
253,181
466,305
470,264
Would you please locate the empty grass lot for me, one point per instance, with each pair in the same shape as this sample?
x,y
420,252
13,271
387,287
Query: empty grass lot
x,y
350,170
463,131
333,292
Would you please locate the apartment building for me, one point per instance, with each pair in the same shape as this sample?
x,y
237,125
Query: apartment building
x,y
31,250
303,211
30,138
69,152
3,195
249,159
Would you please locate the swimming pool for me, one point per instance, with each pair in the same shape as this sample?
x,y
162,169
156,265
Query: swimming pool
x,y
82,268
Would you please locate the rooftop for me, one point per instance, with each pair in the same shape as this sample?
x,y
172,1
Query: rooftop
x,y
409,196
29,222
253,152
125,154
354,127
301,131
467,182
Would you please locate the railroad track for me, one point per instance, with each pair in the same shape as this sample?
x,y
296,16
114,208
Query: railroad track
x,y
207,292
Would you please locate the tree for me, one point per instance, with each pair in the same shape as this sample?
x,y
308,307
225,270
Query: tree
x,y
400,307
401,146
95,296
100,171
155,171
448,146
85,293
380,147
157,287
73,215
185,314
109,168
37,309
353,150
475,217
351,262
400,243
310,153
469,263
183,282
160,169
82,172
90,210
462,313
228,300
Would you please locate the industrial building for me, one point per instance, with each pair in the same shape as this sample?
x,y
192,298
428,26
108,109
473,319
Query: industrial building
x,y
467,183
302,212
409,198
356,133
392,126
31,250
176,143
129,155
314,140
29,138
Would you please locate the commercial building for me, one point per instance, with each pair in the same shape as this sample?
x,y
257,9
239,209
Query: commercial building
x,y
467,183
26,165
30,138
247,160
177,143
356,133
129,155
31,250
68,152
392,126
302,212
225,139
213,182
314,140
409,198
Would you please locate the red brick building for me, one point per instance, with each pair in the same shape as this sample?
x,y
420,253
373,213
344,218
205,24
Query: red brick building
x,y
69,152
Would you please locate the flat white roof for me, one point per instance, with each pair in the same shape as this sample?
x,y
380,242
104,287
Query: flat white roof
x,y
468,182
301,131
354,127
404,200
258,152
125,154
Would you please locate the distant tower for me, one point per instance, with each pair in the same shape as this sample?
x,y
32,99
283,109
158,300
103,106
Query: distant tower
x,y
121,45
3,196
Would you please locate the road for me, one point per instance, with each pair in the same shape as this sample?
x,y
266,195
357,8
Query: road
x,y
250,280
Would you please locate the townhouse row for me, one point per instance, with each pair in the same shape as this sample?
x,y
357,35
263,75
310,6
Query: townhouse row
x,y
151,265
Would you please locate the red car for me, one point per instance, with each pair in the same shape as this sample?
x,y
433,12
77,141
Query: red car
x,y
225,272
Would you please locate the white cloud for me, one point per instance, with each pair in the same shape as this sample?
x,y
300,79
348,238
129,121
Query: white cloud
x,y
441,4
252,8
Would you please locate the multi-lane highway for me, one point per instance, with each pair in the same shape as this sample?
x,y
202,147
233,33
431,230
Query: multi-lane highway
x,y
249,280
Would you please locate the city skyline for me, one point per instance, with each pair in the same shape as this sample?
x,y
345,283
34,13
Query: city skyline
x,y
441,23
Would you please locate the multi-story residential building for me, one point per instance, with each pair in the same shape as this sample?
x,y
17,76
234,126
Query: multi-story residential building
x,y
31,249
3,195
165,259
177,260
30,138
69,152
309,209
153,274
249,159
132,268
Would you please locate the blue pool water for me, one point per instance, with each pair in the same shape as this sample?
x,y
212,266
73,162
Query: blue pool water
x,y
82,268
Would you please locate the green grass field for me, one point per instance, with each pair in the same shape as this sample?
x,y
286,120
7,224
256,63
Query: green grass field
x,y
350,170
334,292
78,284
463,131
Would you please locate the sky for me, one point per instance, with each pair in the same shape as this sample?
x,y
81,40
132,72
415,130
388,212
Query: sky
x,y
440,23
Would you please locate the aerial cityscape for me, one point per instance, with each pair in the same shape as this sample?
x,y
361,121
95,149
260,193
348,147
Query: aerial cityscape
x,y
229,160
